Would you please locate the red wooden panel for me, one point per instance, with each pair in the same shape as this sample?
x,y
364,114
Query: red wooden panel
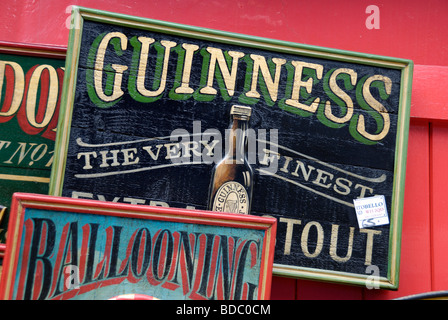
x,y
439,223
415,262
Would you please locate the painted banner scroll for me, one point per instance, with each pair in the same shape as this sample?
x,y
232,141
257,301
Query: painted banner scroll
x,y
145,119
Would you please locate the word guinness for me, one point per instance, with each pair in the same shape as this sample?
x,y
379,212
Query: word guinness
x,y
337,96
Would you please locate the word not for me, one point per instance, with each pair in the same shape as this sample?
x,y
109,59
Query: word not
x,y
296,94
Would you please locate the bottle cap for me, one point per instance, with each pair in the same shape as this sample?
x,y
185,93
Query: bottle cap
x,y
241,111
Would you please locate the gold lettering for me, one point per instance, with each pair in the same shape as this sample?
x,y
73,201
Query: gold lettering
x,y
87,158
171,149
156,155
129,154
286,164
341,94
134,200
269,159
23,152
363,190
114,158
189,50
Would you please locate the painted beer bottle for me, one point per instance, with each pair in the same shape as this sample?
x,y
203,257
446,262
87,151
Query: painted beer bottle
x,y
232,178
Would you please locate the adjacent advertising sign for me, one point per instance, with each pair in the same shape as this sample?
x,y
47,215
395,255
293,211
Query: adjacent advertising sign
x,y
30,89
61,248
161,114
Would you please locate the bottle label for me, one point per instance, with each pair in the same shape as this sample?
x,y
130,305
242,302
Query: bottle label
x,y
231,197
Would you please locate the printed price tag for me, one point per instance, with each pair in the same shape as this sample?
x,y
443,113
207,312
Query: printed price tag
x,y
371,211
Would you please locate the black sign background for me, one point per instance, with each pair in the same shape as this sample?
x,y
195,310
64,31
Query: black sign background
x,y
321,168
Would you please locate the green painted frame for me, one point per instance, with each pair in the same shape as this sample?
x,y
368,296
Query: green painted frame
x,y
80,14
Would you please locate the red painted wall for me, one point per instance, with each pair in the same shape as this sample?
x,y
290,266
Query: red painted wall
x,y
409,29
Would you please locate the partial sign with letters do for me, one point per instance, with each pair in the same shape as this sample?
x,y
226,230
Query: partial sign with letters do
x,y
147,115
31,80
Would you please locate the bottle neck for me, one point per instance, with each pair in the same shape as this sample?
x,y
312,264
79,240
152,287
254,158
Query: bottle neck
x,y
237,139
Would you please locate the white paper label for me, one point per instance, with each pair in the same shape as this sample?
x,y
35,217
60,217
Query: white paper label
x,y
371,211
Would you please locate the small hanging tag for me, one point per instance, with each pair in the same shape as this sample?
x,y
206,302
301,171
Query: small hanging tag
x,y
371,211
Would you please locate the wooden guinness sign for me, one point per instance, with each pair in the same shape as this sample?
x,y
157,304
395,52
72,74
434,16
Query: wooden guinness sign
x,y
145,119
